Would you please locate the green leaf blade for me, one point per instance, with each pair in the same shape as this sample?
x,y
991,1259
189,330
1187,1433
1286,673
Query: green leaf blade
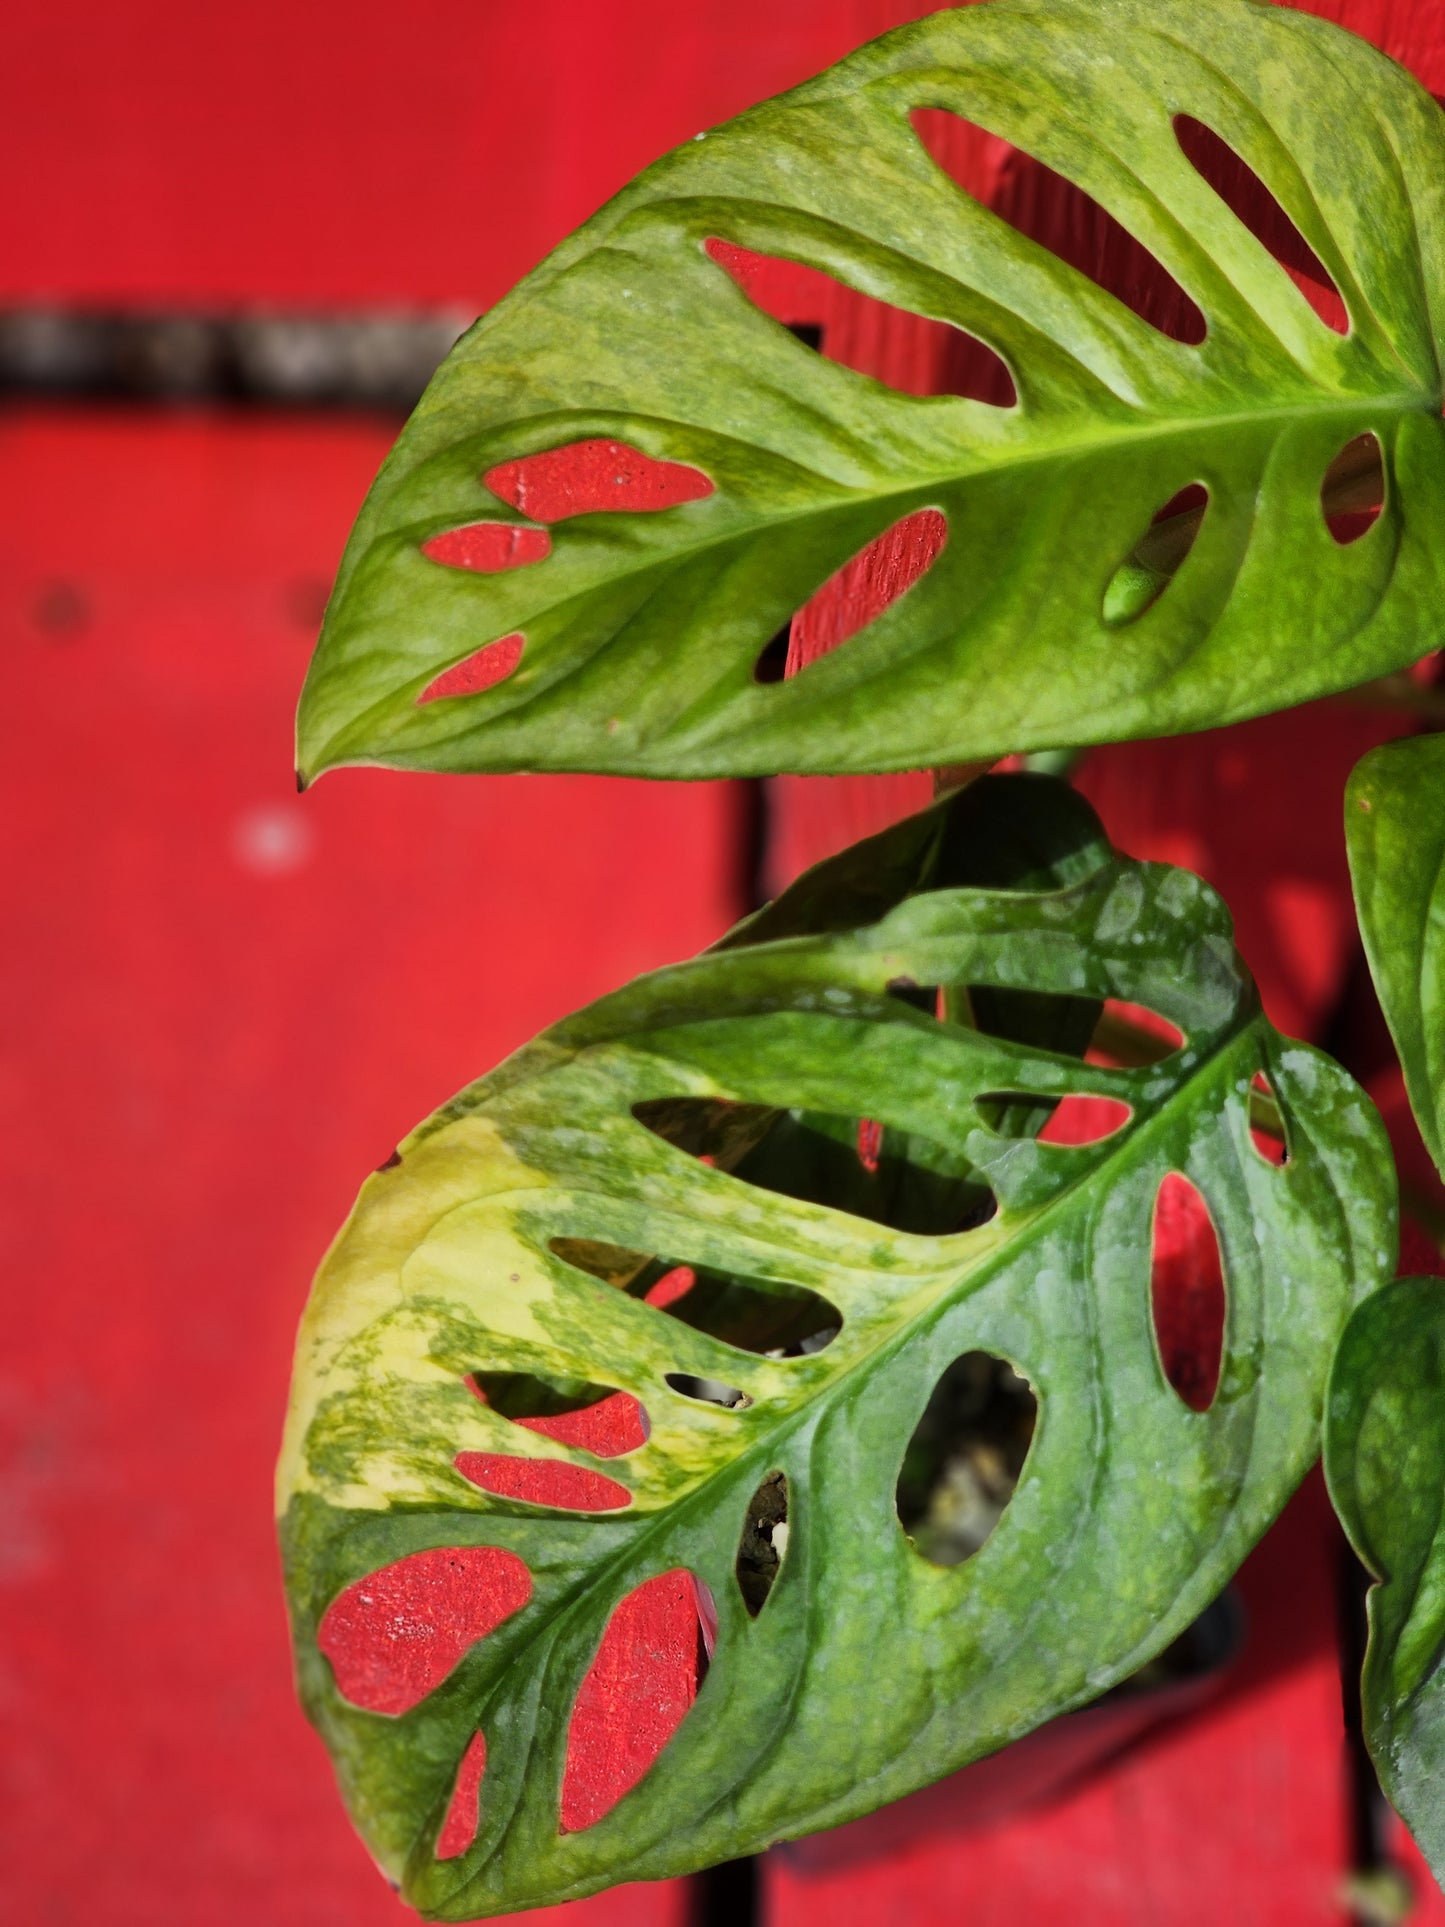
x,y
1385,1461
1132,1509
1395,834
642,629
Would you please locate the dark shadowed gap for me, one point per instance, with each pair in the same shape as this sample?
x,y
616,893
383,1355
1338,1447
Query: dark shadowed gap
x,y
1047,208
964,1460
765,1316
708,1391
763,1543
772,664
909,1183
1250,201
752,832
726,1895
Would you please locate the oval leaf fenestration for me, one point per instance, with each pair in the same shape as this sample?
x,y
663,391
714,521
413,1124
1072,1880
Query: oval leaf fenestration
x,y
1131,1510
640,630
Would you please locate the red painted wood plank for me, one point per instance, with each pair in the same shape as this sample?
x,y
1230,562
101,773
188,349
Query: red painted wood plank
x,y
336,153
226,1003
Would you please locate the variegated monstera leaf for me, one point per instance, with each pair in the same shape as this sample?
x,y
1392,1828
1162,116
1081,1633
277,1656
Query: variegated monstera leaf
x,y
627,477
746,1207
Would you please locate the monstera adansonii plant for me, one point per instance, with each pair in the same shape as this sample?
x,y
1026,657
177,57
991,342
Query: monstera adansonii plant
x,y
647,1320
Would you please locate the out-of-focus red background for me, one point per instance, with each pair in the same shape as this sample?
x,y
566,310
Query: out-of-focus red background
x,y
222,1004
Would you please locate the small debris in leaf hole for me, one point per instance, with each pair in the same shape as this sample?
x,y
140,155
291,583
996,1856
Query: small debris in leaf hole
x,y
764,1542
708,1391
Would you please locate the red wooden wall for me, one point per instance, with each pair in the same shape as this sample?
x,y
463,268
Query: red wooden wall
x,y
222,1004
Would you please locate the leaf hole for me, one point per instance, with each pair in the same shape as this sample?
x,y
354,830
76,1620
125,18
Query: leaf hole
x,y
1353,491
925,997
1186,1292
1251,202
1132,1037
772,664
965,1458
764,1542
1047,1020
487,548
764,1316
1047,208
592,478
643,1678
863,589
676,1282
591,1418
718,1128
913,353
483,669
1268,1133
915,1185
463,1815
613,1264
549,1482
1156,558
394,1636
708,1391
1079,1117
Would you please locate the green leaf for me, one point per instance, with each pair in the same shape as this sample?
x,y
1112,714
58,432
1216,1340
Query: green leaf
x,y
514,1234
642,629
1395,832
1385,1460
